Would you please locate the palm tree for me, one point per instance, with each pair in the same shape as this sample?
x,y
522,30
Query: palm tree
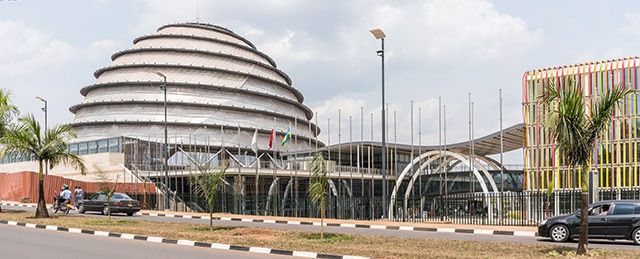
x,y
318,188
7,112
107,188
576,127
25,139
207,182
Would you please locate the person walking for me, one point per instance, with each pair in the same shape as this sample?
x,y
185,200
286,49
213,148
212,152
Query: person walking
x,y
77,196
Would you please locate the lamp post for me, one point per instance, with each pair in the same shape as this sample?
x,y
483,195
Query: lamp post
x,y
44,109
165,151
380,35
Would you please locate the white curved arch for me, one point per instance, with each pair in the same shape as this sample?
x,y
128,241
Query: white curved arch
x,y
438,154
491,162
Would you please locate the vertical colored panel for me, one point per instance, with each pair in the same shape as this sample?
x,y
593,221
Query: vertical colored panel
x,y
617,156
635,123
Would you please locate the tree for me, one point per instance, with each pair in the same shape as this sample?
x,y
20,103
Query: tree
x,y
318,186
25,140
205,184
550,187
576,126
106,188
7,112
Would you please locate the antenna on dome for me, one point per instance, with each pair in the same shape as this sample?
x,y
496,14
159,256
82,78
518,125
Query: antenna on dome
x,y
197,20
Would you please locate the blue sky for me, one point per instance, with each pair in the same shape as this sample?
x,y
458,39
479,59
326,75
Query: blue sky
x,y
453,50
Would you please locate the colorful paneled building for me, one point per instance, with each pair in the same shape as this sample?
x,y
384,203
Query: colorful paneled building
x,y
615,157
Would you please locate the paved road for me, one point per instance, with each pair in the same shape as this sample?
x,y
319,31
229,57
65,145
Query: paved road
x,y
22,242
620,244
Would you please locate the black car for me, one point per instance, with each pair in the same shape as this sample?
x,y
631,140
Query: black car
x,y
618,219
120,203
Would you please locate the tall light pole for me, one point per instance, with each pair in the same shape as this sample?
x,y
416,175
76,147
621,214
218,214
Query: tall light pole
x,y
165,152
380,35
44,109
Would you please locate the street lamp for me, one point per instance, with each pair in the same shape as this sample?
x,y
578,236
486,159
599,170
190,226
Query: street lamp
x,y
380,35
44,109
165,151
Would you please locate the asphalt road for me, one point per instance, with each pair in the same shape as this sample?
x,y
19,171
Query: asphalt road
x,y
22,242
619,244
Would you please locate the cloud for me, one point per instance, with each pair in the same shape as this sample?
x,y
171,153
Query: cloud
x,y
29,51
453,31
102,49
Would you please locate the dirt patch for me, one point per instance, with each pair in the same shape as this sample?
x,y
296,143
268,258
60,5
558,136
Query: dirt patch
x,y
257,233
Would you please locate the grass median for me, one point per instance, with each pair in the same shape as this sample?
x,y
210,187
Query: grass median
x,y
339,244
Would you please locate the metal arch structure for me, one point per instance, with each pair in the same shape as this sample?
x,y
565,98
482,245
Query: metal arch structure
x,y
431,156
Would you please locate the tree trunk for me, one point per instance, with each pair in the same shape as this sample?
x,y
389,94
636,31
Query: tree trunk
x,y
583,242
41,210
546,209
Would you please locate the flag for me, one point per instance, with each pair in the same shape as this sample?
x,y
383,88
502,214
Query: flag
x,y
287,136
273,135
254,142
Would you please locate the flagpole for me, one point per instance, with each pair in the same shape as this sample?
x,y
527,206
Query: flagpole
x,y
275,203
351,168
329,152
295,168
446,176
361,159
257,166
339,198
370,173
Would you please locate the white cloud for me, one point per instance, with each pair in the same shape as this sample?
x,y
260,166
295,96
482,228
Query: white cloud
x,y
435,48
102,49
27,50
442,30
282,46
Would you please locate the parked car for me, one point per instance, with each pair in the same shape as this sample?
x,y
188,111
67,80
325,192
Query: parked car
x,y
120,203
607,220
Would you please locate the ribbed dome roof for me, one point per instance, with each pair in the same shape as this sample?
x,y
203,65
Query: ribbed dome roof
x,y
219,88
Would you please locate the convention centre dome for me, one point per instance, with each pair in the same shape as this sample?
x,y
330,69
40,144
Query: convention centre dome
x,y
220,90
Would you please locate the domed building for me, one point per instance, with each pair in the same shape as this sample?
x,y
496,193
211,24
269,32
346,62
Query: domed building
x,y
219,90
218,99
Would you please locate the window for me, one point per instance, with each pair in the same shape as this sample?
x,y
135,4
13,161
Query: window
x,y
114,145
599,210
623,209
102,146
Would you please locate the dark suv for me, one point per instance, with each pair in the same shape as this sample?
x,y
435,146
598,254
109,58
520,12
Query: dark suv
x,y
607,220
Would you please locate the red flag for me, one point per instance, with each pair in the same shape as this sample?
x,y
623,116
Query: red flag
x,y
273,135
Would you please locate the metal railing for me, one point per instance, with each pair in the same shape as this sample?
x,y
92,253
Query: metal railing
x,y
509,208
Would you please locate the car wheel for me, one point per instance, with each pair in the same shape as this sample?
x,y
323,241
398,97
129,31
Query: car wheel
x,y
129,214
81,209
635,236
105,210
559,233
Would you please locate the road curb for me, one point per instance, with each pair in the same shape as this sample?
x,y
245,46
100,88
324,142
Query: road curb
x,y
351,225
344,225
260,250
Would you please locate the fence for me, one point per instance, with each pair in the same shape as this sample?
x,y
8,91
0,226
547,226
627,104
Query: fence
x,y
509,208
